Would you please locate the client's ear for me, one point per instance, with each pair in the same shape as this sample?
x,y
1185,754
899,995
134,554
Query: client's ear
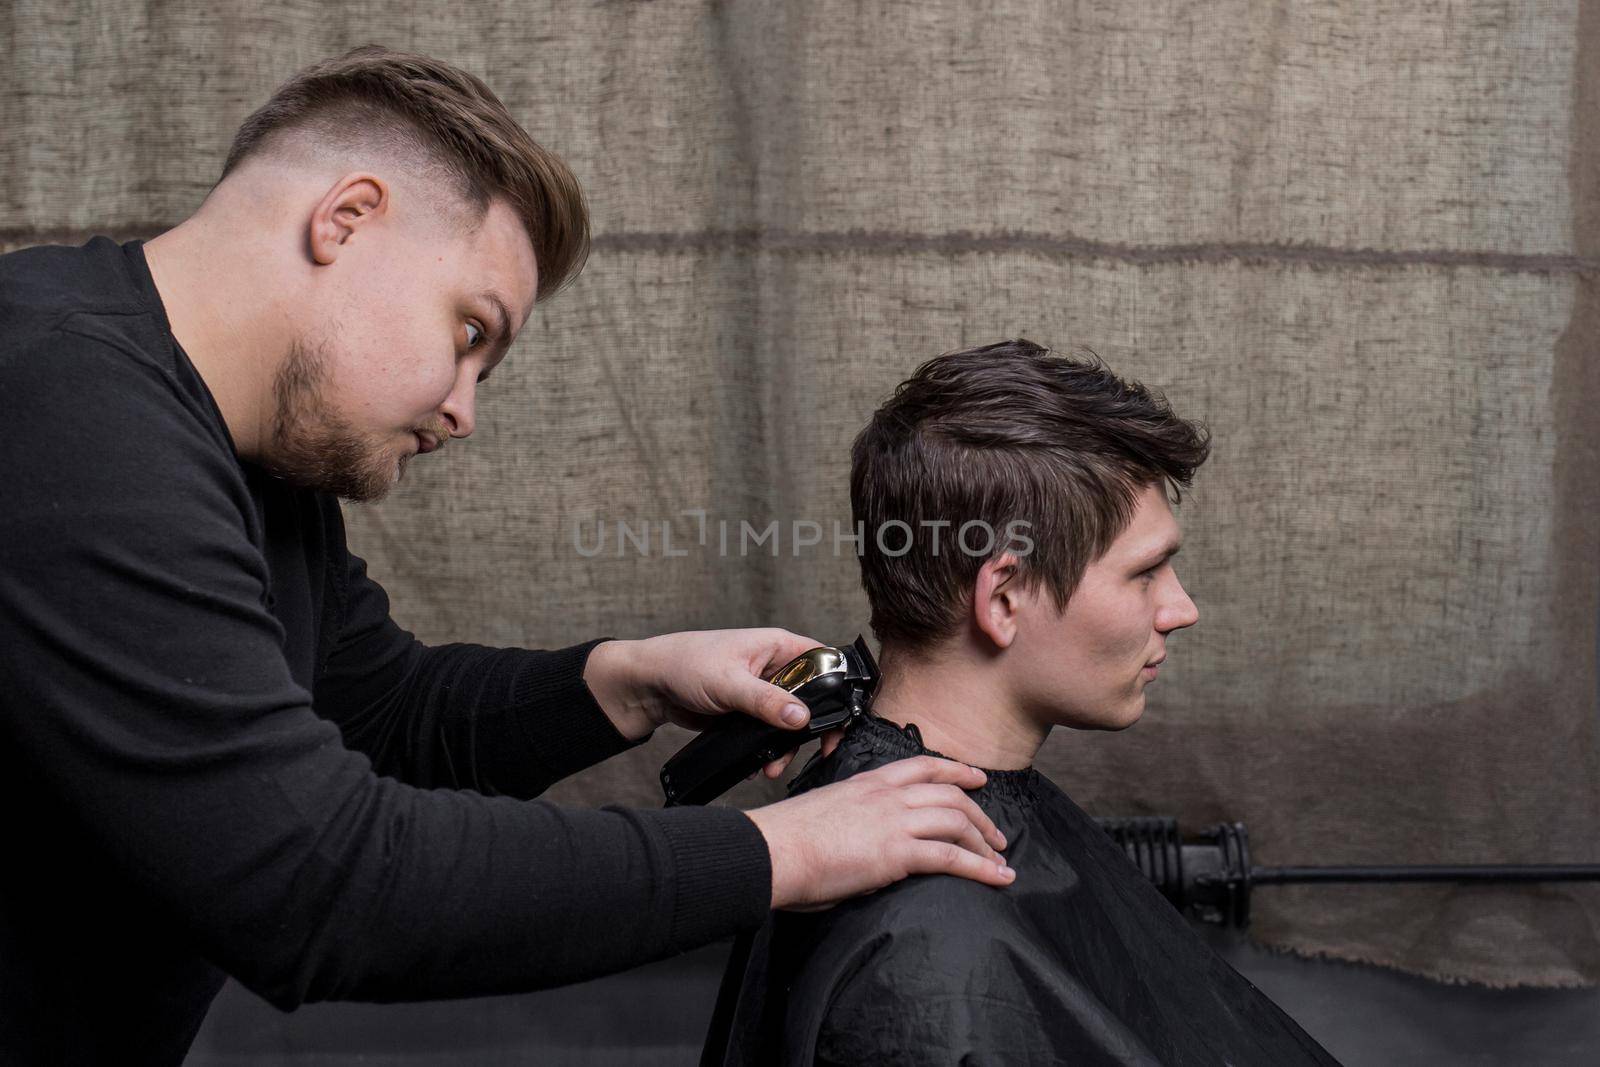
x,y
996,598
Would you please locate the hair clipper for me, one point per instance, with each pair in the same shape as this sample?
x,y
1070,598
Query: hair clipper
x,y
835,683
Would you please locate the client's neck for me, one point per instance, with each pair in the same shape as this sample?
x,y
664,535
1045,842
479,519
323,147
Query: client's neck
x,y
959,708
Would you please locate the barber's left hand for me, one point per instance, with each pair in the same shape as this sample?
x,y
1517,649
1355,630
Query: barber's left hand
x,y
690,678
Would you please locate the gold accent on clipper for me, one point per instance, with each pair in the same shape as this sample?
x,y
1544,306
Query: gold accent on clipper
x,y
809,665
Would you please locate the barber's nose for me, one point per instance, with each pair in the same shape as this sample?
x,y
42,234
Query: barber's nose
x,y
459,410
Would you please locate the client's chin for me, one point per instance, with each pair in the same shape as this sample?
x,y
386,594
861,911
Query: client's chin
x,y
1119,718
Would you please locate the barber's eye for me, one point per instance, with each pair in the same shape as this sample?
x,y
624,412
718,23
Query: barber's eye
x,y
474,335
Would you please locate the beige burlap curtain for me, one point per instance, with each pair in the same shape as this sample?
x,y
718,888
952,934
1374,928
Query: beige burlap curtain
x,y
1359,240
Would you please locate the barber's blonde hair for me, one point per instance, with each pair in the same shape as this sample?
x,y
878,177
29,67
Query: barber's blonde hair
x,y
452,123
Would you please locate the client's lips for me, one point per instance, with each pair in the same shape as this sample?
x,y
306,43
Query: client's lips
x,y
426,442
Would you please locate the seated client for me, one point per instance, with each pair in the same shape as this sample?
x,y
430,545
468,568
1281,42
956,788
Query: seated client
x,y
1062,620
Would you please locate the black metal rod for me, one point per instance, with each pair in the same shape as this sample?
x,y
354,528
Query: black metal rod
x,y
1580,872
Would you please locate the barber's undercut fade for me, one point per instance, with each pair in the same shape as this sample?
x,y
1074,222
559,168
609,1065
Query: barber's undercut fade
x,y
450,123
1007,433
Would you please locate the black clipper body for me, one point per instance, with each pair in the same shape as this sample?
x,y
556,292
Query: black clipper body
x,y
835,683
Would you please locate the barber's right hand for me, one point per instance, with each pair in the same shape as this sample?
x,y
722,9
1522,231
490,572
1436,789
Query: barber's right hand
x,y
861,834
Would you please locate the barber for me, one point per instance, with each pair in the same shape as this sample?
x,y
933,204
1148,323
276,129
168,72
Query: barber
x,y
220,755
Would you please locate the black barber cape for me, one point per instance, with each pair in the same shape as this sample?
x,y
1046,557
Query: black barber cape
x,y
1079,961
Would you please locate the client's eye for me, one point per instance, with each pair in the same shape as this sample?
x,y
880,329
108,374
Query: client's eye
x,y
474,335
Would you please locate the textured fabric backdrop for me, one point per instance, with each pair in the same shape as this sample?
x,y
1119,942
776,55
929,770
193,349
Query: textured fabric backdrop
x,y
1360,241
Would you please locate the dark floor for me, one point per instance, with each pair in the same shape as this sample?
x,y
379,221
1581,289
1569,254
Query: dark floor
x,y
656,1015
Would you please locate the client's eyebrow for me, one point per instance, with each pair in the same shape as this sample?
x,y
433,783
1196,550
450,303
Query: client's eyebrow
x,y
1151,562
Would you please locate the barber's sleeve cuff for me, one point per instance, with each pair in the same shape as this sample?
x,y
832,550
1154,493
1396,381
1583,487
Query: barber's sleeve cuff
x,y
723,873
559,717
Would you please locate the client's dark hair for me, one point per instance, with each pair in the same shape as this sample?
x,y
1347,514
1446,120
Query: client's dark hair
x,y
1003,434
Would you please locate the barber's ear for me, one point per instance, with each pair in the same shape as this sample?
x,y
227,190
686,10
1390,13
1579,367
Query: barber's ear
x,y
348,207
997,597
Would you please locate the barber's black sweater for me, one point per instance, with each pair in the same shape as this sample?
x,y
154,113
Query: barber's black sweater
x,y
219,754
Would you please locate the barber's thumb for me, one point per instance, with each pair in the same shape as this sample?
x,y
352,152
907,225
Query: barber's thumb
x,y
774,705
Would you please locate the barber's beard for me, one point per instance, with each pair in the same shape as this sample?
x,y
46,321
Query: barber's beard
x,y
314,446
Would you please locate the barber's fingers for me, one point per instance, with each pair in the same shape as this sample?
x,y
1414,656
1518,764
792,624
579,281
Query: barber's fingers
x,y
846,838
951,798
760,700
830,741
933,784
945,857
948,824
713,672
771,702
785,646
776,768
928,769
